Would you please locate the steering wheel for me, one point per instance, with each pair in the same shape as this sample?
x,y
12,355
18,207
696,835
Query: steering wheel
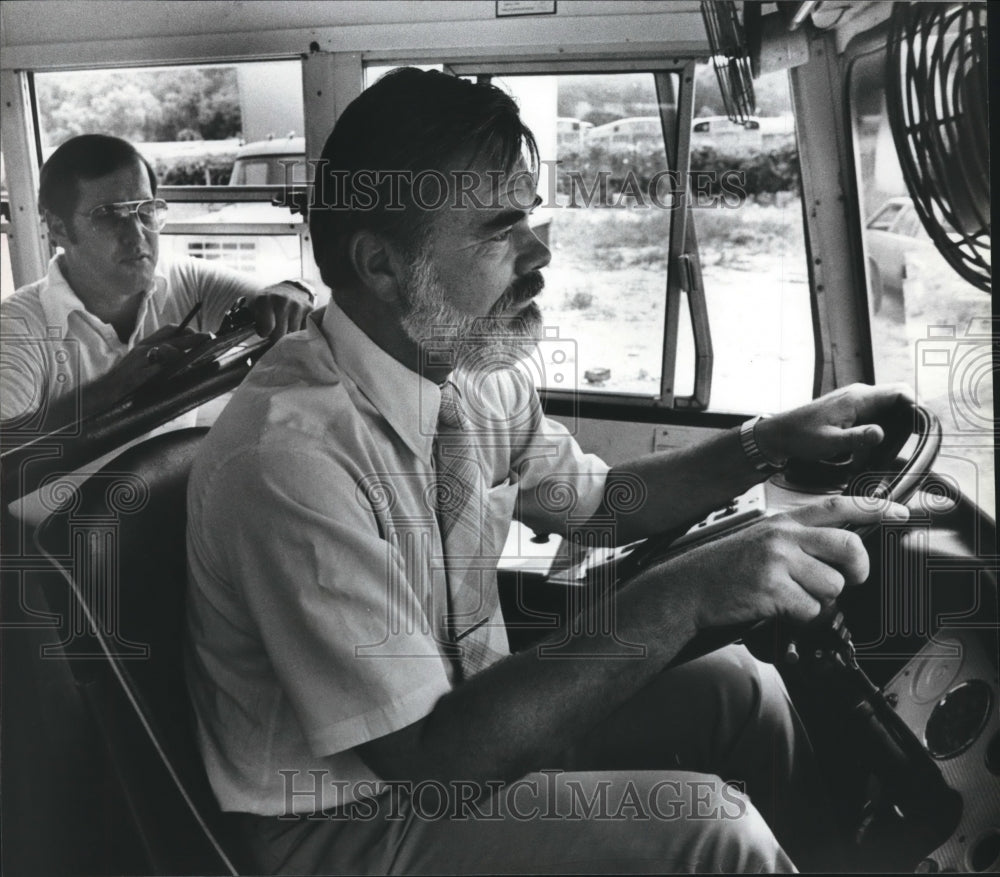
x,y
892,470
821,651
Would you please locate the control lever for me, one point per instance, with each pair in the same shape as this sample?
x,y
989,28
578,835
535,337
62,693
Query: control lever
x,y
822,653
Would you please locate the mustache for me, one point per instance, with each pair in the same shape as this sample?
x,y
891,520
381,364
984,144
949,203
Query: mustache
x,y
527,287
521,290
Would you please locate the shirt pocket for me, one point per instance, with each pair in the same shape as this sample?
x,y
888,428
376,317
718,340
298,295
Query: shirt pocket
x,y
500,502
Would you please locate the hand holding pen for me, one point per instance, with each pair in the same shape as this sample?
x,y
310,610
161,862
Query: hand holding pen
x,y
154,354
191,314
151,359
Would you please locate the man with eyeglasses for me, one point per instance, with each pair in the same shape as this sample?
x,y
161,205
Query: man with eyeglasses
x,y
106,317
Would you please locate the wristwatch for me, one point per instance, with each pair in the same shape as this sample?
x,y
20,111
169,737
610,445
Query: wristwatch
x,y
748,441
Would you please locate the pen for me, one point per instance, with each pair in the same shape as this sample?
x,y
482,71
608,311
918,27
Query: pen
x,y
190,316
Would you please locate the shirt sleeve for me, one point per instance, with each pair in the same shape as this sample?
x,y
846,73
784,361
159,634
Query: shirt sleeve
x,y
214,285
344,631
24,365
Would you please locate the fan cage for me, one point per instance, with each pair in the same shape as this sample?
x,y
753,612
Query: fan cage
x,y
937,105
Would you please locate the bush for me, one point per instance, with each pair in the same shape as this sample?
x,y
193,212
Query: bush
x,y
580,301
764,171
619,164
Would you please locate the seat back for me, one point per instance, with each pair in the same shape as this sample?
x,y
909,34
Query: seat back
x,y
119,543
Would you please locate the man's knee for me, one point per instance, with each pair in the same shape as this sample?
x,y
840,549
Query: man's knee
x,y
675,822
730,834
751,689
720,830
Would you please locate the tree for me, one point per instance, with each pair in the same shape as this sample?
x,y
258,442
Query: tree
x,y
144,106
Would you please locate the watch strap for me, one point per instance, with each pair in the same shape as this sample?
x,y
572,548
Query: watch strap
x,y
748,441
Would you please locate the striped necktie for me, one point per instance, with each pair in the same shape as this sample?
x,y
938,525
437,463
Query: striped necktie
x,y
473,604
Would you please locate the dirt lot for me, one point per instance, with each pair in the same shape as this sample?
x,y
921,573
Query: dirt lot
x,y
605,291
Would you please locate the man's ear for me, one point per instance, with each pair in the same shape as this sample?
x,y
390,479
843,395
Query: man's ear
x,y
59,231
377,264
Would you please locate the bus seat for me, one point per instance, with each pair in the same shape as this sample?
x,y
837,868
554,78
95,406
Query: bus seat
x,y
119,544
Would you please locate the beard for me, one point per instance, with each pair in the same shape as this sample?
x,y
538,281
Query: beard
x,y
508,332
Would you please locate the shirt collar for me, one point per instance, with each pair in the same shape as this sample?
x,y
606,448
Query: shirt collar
x,y
59,301
408,401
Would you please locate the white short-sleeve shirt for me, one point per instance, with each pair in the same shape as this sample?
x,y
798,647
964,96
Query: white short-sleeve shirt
x,y
52,344
316,575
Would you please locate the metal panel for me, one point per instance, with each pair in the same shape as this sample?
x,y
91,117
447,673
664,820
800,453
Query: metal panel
x,y
836,263
209,194
330,81
590,64
472,32
210,229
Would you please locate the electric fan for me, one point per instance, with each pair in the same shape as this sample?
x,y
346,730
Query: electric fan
x,y
936,96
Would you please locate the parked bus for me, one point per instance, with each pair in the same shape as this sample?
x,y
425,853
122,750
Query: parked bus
x,y
627,134
572,133
717,183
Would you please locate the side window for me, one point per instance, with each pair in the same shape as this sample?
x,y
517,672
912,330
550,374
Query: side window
x,y
749,223
931,328
198,125
606,218
189,122
607,215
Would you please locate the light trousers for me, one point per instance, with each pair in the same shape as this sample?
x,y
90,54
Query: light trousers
x,y
704,770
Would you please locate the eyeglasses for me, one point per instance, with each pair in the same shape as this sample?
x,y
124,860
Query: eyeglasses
x,y
152,214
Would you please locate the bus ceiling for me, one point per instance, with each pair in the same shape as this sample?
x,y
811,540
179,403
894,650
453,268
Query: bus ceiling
x,y
103,32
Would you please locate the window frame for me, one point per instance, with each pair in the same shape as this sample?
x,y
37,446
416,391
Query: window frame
x,y
24,129
29,256
832,220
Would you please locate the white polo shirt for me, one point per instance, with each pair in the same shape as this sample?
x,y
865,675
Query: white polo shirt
x,y
51,344
316,575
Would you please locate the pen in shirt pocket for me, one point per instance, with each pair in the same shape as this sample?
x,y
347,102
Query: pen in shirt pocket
x,y
190,316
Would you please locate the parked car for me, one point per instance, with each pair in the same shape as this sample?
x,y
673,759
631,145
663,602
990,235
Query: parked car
x,y
274,162
270,256
627,134
258,236
721,132
897,244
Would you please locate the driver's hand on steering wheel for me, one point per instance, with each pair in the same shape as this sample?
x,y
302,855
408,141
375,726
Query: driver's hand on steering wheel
x,y
280,309
791,565
149,357
832,426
